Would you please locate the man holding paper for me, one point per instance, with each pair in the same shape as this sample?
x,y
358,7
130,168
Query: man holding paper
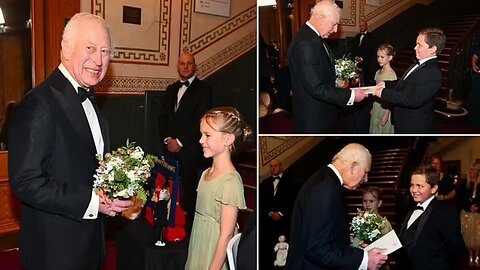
x,y
319,237
430,233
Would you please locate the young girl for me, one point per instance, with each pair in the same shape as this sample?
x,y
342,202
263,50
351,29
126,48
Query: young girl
x,y
220,190
380,122
371,201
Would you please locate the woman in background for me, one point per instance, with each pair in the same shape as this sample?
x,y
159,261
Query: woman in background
x,y
468,193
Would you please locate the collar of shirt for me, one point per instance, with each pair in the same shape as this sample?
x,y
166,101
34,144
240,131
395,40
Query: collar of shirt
x,y
313,28
278,175
69,77
190,80
426,59
336,172
426,203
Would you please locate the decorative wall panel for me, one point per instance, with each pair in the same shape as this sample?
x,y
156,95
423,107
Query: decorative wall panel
x,y
145,55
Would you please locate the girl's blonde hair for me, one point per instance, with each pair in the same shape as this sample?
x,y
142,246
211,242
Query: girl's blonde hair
x,y
228,120
388,48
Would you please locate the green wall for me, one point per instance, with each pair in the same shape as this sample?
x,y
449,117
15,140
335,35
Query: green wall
x,y
135,117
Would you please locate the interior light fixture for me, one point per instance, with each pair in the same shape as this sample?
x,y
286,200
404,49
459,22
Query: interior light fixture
x,y
262,3
2,19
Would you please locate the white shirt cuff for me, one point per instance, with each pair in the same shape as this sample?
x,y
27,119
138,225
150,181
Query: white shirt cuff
x,y
364,264
93,206
352,98
179,143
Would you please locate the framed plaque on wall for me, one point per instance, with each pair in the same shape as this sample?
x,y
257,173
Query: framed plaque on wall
x,y
213,7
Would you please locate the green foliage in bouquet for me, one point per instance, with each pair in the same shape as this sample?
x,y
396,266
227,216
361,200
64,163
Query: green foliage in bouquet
x,y
345,69
123,173
368,226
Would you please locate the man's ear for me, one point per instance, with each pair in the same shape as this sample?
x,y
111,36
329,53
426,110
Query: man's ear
x,y
434,189
66,49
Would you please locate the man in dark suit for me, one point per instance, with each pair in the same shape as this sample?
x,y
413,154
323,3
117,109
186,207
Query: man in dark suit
x,y
319,237
413,95
277,196
356,119
431,233
184,104
316,101
54,139
363,52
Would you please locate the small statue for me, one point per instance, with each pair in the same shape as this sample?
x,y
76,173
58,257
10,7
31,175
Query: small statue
x,y
160,214
281,248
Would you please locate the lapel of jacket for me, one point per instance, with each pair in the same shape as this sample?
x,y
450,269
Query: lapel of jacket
x,y
103,127
403,79
405,222
423,219
328,51
70,103
185,95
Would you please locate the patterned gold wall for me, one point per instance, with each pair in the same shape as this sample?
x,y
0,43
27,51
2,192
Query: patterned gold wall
x,y
376,12
146,54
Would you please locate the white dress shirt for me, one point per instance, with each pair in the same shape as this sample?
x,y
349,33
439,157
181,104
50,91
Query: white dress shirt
x,y
417,65
417,212
92,210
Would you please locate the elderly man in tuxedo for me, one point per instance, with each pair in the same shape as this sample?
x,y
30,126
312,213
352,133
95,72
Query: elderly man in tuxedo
x,y
413,94
320,238
54,139
277,196
185,101
311,63
431,233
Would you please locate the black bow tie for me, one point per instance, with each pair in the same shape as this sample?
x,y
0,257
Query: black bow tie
x,y
83,94
418,207
186,83
276,177
416,61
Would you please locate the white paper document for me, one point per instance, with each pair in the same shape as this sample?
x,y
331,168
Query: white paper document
x,y
366,89
389,241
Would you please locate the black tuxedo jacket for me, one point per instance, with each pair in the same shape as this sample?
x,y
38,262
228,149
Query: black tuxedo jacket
x,y
319,237
184,124
413,98
367,50
312,70
283,199
436,241
51,166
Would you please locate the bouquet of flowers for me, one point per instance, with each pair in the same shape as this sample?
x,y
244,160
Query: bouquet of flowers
x,y
368,226
124,172
345,69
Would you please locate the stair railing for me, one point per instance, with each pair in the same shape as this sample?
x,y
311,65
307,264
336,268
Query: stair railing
x,y
460,64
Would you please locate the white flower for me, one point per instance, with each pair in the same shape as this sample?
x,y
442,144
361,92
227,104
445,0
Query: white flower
x,y
345,69
124,172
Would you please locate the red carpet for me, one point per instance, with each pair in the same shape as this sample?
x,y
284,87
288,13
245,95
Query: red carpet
x,y
10,260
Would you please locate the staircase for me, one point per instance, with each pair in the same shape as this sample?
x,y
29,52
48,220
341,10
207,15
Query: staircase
x,y
454,59
386,168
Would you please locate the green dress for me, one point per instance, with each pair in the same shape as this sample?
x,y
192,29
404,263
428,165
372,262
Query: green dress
x,y
377,109
224,189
